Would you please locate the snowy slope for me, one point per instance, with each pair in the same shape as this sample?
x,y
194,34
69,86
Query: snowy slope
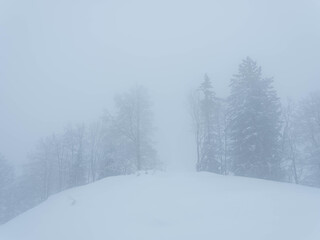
x,y
173,206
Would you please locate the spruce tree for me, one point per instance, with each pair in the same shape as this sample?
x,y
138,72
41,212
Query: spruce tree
x,y
254,123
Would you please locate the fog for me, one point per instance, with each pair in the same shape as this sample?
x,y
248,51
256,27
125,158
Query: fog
x,y
171,119
64,61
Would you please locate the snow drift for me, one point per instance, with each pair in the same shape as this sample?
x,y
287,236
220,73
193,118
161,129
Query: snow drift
x,y
173,206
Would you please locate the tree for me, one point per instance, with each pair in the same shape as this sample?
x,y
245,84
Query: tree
x,y
134,122
116,154
290,142
308,127
6,188
197,126
6,172
223,137
254,123
116,145
207,114
75,161
95,137
78,167
43,168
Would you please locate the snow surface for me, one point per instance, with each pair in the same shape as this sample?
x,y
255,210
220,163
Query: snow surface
x,y
173,206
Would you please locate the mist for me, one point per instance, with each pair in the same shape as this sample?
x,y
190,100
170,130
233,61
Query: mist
x,y
64,63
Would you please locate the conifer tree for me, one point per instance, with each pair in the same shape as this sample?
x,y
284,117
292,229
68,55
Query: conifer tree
x,y
254,123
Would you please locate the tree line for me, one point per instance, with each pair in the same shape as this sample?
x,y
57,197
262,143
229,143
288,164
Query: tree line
x,y
251,133
116,144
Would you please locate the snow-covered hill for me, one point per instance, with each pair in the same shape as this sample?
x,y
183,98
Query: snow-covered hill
x,y
190,206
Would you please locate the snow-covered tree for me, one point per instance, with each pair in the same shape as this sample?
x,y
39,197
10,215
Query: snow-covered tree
x,y
254,123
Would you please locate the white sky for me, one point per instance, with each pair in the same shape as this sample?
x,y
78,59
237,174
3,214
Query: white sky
x,y
62,61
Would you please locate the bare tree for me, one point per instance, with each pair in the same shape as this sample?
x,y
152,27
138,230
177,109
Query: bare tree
x,y
95,137
290,140
6,182
309,131
134,121
195,111
209,124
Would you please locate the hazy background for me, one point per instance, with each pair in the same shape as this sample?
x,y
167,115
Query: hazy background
x,y
62,61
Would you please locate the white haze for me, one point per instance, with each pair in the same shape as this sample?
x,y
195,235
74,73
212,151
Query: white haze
x,y
63,61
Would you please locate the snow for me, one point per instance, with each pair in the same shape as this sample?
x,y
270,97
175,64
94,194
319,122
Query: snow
x,y
186,206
